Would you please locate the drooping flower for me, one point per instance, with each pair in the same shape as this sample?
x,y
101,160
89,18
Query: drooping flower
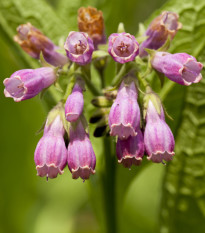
x,y
181,68
51,153
158,138
124,117
74,104
81,157
131,150
163,26
79,47
123,47
91,21
27,83
33,42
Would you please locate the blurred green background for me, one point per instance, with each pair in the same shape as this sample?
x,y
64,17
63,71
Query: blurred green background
x,y
29,204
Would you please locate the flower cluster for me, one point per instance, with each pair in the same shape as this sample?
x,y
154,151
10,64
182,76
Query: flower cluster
x,y
124,122
137,123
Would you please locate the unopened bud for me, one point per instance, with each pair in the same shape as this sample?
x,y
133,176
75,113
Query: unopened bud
x,y
74,104
101,101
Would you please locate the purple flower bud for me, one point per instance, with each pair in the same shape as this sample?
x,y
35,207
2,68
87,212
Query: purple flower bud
x,y
51,153
81,157
179,67
27,83
158,31
158,138
54,58
74,104
124,117
131,150
123,47
33,42
79,47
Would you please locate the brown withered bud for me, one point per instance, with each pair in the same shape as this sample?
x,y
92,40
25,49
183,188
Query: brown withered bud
x,y
91,21
33,42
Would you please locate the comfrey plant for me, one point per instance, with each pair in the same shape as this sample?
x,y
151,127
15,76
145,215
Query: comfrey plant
x,y
127,109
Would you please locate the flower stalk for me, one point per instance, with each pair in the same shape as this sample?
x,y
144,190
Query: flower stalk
x,y
109,186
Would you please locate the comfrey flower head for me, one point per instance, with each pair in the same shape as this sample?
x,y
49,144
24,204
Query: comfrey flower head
x,y
181,68
124,117
79,47
51,153
81,157
123,47
131,150
27,83
117,112
33,42
74,104
158,138
91,21
164,26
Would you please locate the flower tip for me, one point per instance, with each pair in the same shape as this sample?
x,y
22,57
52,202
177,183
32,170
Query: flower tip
x,y
159,156
128,161
198,78
82,172
122,131
14,88
72,117
179,26
6,93
51,171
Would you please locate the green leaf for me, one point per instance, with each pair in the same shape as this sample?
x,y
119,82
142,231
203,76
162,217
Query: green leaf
x,y
184,191
183,200
67,10
38,13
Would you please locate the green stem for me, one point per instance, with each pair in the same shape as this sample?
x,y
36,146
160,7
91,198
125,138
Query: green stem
x,y
143,82
50,98
69,88
102,78
90,85
108,182
166,89
120,74
118,66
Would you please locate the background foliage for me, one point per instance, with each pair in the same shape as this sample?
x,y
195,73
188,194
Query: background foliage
x,y
152,198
